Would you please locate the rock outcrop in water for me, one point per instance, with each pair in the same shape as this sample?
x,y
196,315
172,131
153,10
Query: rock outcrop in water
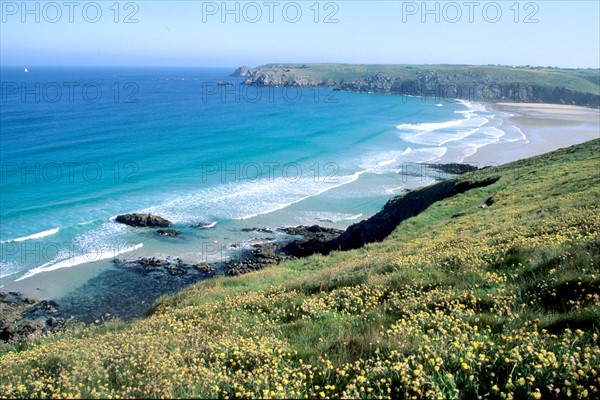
x,y
143,220
168,232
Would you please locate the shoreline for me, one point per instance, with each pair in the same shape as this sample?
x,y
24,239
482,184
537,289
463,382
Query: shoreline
x,y
546,127
141,281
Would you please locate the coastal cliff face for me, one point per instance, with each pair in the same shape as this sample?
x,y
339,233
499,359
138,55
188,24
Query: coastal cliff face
x,y
489,84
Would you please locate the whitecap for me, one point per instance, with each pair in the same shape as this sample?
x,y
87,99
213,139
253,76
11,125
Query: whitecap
x,y
429,126
38,235
347,180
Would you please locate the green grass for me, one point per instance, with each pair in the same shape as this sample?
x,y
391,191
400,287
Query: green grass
x,y
464,300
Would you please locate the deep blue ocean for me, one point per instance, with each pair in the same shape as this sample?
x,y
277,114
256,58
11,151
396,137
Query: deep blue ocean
x,y
80,145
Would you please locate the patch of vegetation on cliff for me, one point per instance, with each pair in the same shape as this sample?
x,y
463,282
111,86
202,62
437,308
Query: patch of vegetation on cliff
x,y
493,292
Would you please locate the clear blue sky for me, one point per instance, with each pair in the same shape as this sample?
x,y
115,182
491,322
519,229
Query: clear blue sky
x,y
192,33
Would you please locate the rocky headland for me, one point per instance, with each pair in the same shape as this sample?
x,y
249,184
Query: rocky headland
x,y
473,83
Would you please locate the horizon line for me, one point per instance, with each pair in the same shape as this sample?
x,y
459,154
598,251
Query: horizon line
x,y
282,63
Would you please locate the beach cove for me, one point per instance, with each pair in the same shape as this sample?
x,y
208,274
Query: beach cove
x,y
483,135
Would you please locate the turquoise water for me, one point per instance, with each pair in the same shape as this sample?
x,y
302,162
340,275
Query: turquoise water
x,y
79,146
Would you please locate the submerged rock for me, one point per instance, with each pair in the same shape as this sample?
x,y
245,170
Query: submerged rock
x,y
261,230
143,220
205,225
168,232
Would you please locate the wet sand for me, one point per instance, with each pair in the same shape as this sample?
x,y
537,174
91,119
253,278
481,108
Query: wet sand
x,y
547,127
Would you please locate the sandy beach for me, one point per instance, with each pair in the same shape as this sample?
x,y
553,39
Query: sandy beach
x,y
54,284
547,127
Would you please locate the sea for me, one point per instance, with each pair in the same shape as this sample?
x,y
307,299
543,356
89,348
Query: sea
x,y
79,146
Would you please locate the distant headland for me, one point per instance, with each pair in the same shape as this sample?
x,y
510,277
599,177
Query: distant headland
x,y
493,84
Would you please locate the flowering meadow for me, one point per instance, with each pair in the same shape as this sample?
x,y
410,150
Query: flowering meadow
x,y
493,293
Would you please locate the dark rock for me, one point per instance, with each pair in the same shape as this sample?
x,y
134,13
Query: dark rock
x,y
158,267
204,225
313,240
262,230
258,257
152,261
143,220
204,267
168,232
42,309
22,331
311,231
52,322
264,252
488,201
173,270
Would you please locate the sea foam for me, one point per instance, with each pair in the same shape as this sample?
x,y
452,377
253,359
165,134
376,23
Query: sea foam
x,y
38,235
78,260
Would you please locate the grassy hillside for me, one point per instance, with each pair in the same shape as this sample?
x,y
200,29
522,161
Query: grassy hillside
x,y
494,292
578,80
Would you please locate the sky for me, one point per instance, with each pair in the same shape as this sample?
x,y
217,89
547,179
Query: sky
x,y
232,33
